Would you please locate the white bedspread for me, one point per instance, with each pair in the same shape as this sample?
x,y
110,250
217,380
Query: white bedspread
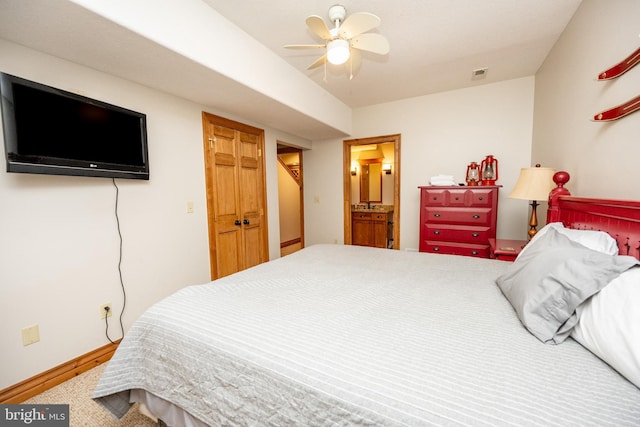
x,y
346,335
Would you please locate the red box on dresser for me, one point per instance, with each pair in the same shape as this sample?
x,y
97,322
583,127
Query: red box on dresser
x,y
458,220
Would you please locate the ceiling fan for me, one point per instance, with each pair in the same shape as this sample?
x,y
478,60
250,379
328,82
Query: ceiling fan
x,y
346,38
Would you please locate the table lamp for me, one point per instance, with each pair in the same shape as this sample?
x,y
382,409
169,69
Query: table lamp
x,y
533,184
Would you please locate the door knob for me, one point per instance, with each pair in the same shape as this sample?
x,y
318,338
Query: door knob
x,y
237,222
246,221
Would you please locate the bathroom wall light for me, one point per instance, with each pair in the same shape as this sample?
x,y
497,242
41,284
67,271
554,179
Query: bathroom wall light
x,y
386,167
354,170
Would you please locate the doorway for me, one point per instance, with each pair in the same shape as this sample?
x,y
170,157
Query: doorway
x,y
350,170
290,198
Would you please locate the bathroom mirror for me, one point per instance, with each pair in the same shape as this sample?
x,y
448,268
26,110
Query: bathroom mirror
x,y
371,182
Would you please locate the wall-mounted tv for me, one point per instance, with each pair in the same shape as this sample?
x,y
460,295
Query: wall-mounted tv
x,y
52,131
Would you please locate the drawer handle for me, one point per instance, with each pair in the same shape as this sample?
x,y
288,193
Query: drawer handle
x,y
457,198
436,249
437,215
476,216
481,198
475,234
474,252
436,232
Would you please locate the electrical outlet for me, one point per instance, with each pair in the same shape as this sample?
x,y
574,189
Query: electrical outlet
x,y
106,310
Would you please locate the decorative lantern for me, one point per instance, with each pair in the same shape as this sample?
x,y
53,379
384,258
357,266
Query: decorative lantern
x,y
489,170
473,174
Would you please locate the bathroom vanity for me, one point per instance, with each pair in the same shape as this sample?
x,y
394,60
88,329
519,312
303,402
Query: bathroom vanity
x,y
372,226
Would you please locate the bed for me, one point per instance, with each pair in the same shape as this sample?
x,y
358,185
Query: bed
x,y
347,335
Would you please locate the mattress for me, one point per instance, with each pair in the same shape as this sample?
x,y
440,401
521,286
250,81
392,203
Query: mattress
x,y
346,335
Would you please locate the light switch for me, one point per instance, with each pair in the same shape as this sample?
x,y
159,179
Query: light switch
x,y
30,335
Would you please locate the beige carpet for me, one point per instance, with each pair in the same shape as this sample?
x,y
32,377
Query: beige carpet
x,y
83,411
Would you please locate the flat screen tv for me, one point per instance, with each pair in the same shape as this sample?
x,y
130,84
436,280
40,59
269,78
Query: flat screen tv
x,y
52,131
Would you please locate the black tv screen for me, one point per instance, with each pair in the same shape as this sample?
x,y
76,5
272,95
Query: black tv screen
x,y
52,131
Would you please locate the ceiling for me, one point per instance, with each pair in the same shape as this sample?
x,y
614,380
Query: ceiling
x,y
435,44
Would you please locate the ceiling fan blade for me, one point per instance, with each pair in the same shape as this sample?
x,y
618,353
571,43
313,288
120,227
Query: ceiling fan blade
x,y
320,61
317,25
371,43
304,46
358,23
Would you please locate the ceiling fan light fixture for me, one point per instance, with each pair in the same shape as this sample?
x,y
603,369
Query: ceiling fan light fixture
x,y
338,51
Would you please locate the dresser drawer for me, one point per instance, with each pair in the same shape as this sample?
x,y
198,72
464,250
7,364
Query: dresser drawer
x,y
452,248
456,233
361,216
457,197
482,197
471,216
379,217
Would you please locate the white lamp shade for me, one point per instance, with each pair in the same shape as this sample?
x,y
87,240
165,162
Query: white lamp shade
x,y
533,184
338,51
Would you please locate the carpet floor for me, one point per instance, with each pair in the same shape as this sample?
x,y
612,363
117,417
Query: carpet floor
x,y
83,411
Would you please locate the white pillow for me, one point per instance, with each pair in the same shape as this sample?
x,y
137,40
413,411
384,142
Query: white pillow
x,y
592,239
609,324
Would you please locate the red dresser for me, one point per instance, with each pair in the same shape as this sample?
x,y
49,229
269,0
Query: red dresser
x,y
458,220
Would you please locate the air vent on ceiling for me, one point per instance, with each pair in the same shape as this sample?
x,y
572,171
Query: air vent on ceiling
x,y
479,74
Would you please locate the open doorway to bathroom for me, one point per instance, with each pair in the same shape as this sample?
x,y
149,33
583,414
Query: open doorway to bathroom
x,y
290,198
358,193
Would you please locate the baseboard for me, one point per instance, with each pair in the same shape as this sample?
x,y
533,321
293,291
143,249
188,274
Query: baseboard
x,y
44,381
290,242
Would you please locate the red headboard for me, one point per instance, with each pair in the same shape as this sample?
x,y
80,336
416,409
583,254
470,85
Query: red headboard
x,y
619,218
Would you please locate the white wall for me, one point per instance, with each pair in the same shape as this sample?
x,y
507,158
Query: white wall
x,y
441,134
59,244
602,158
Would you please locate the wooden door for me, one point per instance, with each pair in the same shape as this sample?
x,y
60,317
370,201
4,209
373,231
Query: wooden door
x,y
235,195
380,232
362,230
251,184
